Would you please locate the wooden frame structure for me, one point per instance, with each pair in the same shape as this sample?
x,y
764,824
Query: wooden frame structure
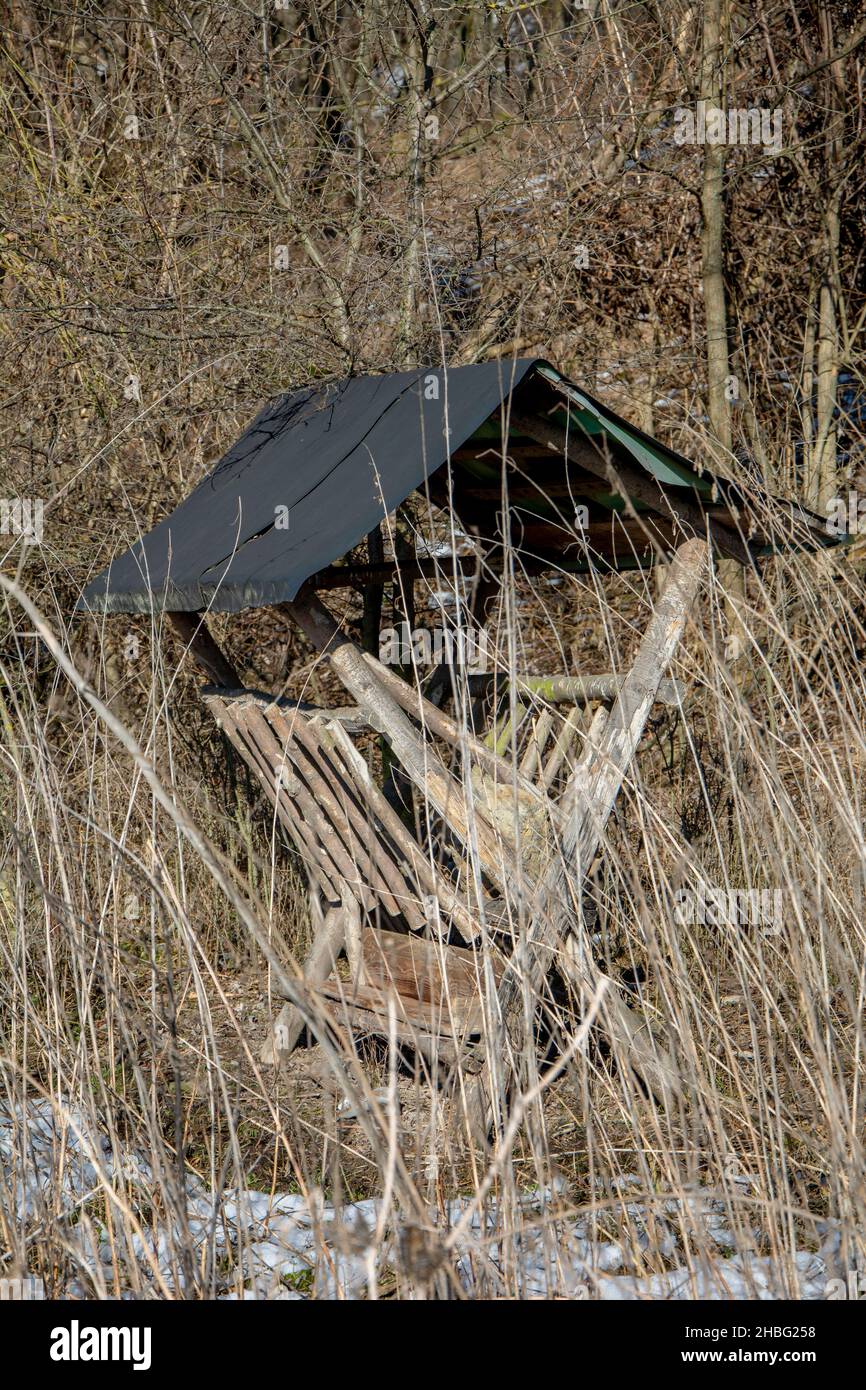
x,y
416,967
444,928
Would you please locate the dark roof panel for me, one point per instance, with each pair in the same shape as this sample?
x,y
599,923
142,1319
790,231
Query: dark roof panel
x,y
319,468
339,457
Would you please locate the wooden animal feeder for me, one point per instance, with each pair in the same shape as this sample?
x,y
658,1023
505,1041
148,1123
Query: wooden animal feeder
x,y
523,462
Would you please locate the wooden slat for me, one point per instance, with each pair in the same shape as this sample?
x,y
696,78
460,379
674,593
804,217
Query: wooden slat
x,y
346,797
417,867
424,1018
361,1021
344,829
423,970
300,818
302,836
536,744
373,849
429,995
564,739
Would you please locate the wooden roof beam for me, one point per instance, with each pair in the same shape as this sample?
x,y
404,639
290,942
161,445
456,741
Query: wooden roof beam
x,y
687,516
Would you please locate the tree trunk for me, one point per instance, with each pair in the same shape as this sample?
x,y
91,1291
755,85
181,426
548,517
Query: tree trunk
x,y
731,575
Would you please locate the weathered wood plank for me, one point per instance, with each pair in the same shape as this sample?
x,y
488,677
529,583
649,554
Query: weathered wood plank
x,y
424,970
369,1020
298,811
433,990
505,798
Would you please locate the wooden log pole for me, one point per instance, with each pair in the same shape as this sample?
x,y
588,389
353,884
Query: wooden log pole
x,y
583,690
421,763
338,931
193,631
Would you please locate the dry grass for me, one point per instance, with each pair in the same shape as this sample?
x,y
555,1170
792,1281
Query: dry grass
x,y
146,316
132,997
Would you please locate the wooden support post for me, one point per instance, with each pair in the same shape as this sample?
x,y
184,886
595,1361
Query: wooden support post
x,y
192,630
339,931
587,803
373,593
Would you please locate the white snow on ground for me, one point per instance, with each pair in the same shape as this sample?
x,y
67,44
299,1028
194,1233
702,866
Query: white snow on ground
x,y
283,1246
